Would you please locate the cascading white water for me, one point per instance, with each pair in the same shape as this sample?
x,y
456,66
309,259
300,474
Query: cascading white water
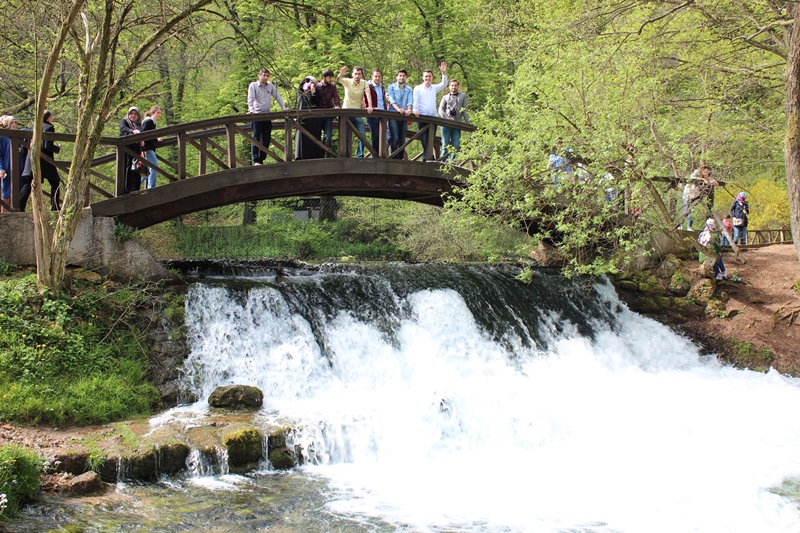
x,y
432,424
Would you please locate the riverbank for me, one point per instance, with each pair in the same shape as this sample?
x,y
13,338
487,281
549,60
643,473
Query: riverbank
x,y
762,311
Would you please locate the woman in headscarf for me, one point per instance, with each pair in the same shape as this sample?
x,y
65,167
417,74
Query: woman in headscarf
x,y
305,147
148,124
7,122
711,240
131,125
739,211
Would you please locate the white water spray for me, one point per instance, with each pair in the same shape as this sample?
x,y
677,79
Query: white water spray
x,y
440,428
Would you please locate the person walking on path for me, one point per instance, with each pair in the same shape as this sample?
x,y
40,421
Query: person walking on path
x,y
259,100
425,101
453,107
149,124
710,239
739,211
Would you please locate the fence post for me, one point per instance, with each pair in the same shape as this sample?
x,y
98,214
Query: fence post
x,y
287,143
122,169
431,138
343,140
201,161
182,156
231,132
15,172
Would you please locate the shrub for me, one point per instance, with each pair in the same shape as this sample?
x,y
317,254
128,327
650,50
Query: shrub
x,y
19,478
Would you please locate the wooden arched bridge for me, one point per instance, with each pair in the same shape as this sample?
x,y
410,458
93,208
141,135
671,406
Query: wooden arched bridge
x,y
205,166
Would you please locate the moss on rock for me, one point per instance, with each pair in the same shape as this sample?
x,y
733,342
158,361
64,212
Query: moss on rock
x,y
245,447
281,459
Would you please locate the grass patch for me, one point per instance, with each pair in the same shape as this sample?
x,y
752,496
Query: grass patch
x,y
19,478
72,358
747,355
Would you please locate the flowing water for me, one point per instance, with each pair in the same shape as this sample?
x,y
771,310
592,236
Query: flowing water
x,y
456,399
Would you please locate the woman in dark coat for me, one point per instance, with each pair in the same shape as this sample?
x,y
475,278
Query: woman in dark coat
x,y
49,170
305,148
131,125
739,211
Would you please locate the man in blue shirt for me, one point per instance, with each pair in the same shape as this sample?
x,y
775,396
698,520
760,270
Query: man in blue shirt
x,y
401,98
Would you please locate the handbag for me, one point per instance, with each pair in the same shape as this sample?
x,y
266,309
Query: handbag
x,y
143,169
738,221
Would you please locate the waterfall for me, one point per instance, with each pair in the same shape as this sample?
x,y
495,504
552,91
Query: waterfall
x,y
440,398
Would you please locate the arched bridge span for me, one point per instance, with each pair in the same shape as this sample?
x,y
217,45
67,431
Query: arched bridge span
x,y
206,164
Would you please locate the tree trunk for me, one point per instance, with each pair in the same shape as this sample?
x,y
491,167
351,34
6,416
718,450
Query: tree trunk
x,y
792,147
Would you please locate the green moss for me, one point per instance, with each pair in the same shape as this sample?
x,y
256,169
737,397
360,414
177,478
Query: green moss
x,y
747,355
244,446
281,459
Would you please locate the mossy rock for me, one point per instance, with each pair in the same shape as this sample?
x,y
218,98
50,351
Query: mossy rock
x,y
236,396
646,305
686,307
628,285
71,461
715,308
680,283
663,302
669,266
172,457
139,464
281,459
245,447
277,439
702,291
651,287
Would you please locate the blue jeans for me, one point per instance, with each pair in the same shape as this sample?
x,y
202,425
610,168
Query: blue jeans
x,y
262,132
398,129
719,267
740,234
358,122
150,155
327,130
450,137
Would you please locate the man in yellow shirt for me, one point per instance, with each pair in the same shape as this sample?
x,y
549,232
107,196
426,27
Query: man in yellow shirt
x,y
353,99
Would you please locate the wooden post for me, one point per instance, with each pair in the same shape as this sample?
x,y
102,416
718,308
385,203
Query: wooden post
x,y
231,131
343,136
288,152
383,146
431,139
122,169
201,162
182,141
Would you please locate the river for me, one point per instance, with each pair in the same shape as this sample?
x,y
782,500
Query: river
x,y
431,398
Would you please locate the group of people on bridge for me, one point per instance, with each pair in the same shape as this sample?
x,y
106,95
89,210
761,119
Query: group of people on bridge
x,y
359,93
48,170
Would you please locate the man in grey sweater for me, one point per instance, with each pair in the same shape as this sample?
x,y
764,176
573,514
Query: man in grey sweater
x,y
453,107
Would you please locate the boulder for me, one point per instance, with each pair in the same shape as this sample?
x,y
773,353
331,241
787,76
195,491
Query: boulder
x,y
281,459
680,283
702,291
71,461
87,483
236,396
245,448
669,266
172,457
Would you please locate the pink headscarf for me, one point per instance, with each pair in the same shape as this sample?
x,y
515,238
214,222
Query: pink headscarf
x,y
741,197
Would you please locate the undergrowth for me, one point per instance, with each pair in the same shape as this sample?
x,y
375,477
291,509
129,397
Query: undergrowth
x,y
73,358
19,478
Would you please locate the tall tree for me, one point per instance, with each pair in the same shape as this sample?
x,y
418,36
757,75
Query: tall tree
x,y
112,40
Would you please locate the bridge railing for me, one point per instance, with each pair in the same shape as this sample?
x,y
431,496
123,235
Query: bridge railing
x,y
213,144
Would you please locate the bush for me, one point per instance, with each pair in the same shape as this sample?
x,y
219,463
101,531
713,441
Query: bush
x,y
19,478
72,358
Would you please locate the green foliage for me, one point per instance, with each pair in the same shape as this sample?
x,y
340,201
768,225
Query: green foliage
x,y
19,478
72,358
7,268
746,355
796,286
123,232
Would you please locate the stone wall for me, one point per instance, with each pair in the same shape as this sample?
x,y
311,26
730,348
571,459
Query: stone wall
x,y
94,248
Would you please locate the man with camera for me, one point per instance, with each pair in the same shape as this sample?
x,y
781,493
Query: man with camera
x,y
453,107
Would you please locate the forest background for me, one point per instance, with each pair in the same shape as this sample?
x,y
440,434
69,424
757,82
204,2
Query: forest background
x,y
667,84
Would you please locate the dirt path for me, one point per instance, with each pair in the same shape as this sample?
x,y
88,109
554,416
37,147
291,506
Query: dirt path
x,y
764,308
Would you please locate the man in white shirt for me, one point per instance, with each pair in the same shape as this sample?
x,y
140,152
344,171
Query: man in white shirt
x,y
259,100
425,101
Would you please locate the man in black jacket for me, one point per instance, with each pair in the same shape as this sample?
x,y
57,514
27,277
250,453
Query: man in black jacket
x,y
49,170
